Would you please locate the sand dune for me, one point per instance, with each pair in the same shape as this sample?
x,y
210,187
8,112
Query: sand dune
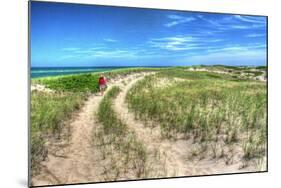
x,y
79,161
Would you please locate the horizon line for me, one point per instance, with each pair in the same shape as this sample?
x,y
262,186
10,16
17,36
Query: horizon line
x,y
146,66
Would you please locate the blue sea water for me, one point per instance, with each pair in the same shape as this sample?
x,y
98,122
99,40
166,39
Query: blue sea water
x,y
57,71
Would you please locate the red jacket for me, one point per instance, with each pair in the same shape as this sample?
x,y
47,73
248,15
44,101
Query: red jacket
x,y
102,81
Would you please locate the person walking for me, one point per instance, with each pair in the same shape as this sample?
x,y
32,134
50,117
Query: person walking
x,y
102,83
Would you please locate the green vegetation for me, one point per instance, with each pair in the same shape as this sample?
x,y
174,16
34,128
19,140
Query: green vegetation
x,y
261,67
73,83
48,112
84,82
206,106
50,109
255,73
210,108
88,82
107,116
127,71
130,154
240,68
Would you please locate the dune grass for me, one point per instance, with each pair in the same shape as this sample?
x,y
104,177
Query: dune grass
x,y
84,82
130,156
48,112
205,106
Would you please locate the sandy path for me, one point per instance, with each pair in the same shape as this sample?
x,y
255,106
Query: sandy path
x,y
174,155
78,161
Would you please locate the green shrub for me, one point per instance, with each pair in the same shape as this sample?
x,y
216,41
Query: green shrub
x,y
73,83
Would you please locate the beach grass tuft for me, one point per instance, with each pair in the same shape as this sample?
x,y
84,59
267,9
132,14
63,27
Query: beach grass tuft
x,y
206,106
130,155
49,111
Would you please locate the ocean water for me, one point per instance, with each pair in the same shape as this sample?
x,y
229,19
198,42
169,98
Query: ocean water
x,y
56,71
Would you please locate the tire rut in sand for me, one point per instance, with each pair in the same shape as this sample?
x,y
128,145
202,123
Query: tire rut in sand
x,y
79,163
79,159
172,156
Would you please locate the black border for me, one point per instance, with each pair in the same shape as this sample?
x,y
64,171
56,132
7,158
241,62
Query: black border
x,y
29,95
118,6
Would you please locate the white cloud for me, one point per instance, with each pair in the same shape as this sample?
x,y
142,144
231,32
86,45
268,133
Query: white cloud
x,y
97,52
181,43
241,27
255,35
235,22
113,54
216,23
110,40
87,51
208,33
68,56
234,56
214,40
177,43
251,19
178,20
238,48
70,49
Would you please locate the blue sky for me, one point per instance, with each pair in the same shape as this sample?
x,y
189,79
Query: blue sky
x,y
86,35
